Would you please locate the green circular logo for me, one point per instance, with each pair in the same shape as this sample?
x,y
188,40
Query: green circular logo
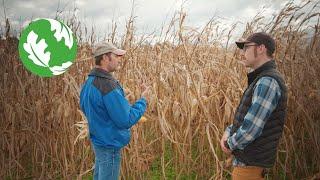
x,y
47,47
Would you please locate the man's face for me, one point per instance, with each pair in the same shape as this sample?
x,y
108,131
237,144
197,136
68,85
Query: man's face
x,y
249,52
113,62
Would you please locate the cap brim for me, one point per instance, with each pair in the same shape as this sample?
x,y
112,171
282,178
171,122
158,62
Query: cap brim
x,y
119,52
240,44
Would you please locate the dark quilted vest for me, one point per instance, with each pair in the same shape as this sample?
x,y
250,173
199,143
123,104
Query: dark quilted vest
x,y
262,151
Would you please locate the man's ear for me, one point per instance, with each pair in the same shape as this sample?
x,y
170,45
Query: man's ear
x,y
106,57
263,48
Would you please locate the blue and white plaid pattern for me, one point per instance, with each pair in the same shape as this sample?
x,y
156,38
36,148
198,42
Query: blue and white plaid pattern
x,y
265,98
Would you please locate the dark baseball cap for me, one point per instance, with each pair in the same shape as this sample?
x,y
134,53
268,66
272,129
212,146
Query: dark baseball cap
x,y
259,38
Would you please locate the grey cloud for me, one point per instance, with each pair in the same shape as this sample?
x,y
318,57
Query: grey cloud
x,y
150,13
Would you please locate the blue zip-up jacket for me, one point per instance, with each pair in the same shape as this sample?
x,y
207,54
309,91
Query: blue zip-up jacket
x,y
110,116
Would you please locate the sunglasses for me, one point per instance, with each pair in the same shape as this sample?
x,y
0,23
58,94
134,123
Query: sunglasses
x,y
246,46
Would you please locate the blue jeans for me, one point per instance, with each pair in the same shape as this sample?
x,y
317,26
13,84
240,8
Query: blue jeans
x,y
107,163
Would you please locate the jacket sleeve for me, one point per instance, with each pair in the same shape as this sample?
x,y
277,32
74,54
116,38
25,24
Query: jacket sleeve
x,y
121,112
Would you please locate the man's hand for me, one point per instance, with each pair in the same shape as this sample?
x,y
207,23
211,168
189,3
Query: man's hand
x,y
222,141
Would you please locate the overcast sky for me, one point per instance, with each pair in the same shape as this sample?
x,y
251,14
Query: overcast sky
x,y
150,14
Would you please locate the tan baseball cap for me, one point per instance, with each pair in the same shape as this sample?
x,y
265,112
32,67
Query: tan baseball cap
x,y
106,47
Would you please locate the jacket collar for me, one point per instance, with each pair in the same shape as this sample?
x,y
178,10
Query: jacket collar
x,y
266,66
101,73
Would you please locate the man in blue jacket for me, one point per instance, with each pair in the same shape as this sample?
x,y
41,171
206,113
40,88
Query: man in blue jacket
x,y
110,116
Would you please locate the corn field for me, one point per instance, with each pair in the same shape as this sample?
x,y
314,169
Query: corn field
x,y
197,82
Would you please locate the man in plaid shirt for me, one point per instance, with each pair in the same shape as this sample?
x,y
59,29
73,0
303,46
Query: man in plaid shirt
x,y
258,124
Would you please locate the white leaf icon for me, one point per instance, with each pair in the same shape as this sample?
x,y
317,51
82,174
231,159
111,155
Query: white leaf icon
x,y
56,70
62,31
36,50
